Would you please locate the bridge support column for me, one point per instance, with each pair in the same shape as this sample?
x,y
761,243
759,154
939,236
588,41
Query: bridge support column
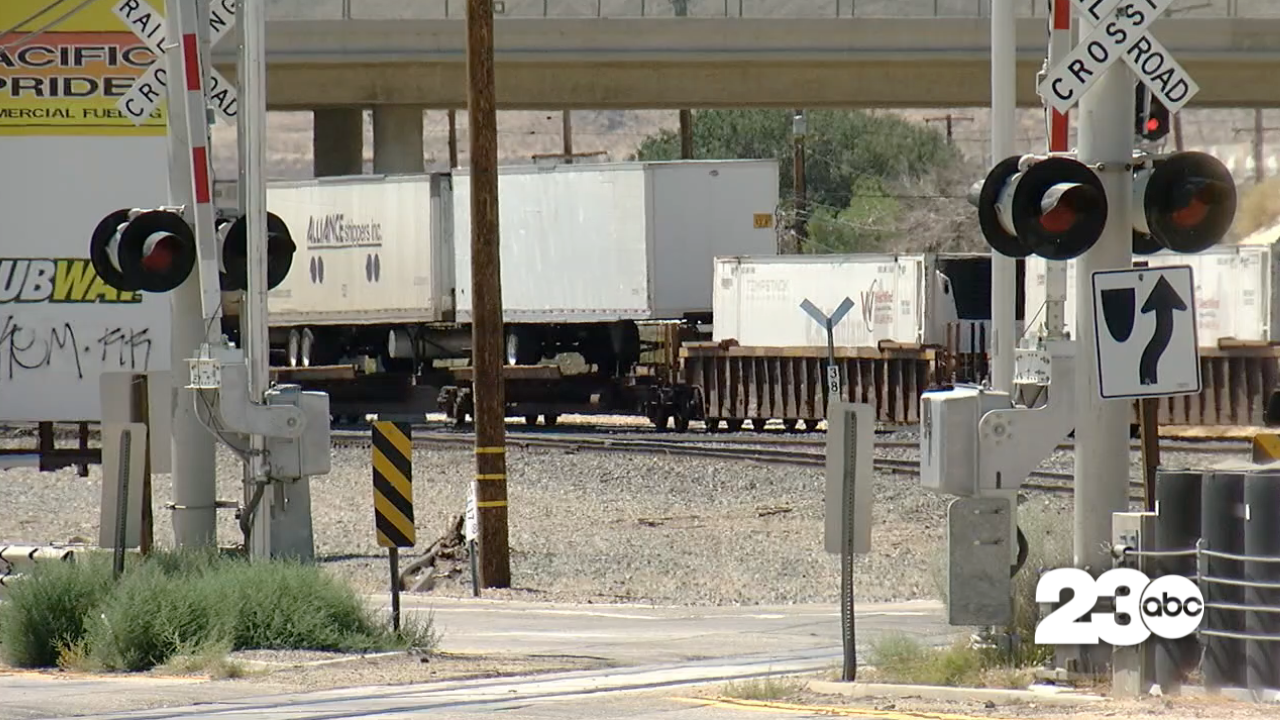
x,y
397,139
337,141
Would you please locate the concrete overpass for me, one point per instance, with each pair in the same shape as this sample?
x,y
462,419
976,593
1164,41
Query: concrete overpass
x,y
717,62
400,57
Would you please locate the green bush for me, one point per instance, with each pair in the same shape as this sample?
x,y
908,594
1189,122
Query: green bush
x,y
285,605
182,603
47,611
148,617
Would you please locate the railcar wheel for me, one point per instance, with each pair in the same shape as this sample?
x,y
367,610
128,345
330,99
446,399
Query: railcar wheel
x,y
550,419
713,425
789,425
294,352
734,425
758,424
660,420
682,422
306,348
530,419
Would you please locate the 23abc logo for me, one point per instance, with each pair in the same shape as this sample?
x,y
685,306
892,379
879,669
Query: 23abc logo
x,y
1170,607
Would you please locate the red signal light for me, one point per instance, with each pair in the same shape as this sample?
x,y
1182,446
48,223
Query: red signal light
x,y
159,259
1058,220
1153,125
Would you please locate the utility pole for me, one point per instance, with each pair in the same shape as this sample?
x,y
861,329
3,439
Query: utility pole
x,y
681,8
799,129
566,133
686,135
453,139
1004,270
490,487
1177,132
1259,131
949,119
1102,426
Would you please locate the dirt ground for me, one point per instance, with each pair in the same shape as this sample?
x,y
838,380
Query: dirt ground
x,y
1181,708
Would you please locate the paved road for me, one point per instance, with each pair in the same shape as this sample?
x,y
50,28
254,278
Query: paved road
x,y
668,652
650,635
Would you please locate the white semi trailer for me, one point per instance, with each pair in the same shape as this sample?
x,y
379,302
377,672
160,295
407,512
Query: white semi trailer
x,y
383,267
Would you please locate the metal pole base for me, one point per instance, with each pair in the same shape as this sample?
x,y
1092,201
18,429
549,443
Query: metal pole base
x,y
282,523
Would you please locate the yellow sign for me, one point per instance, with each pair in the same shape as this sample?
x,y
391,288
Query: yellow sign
x,y
763,220
56,280
65,79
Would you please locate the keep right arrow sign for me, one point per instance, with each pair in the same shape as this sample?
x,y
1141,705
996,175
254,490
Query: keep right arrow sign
x,y
1145,332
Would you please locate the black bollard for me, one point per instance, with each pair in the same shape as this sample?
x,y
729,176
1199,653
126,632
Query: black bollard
x,y
1177,528
1262,539
1222,516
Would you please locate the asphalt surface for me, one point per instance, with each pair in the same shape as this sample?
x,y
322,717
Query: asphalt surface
x,y
670,656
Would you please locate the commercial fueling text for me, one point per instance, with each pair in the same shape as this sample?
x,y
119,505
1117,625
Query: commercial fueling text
x,y
335,230
49,70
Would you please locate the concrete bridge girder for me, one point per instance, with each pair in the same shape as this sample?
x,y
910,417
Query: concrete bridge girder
x,y
710,62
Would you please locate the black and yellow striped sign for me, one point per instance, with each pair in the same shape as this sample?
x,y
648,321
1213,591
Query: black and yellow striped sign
x,y
393,484
1266,448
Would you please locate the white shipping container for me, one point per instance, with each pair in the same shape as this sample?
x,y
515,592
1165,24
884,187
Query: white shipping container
x,y
1233,288
371,249
757,300
599,242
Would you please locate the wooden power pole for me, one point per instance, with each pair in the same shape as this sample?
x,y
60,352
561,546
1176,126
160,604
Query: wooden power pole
x,y
453,139
566,134
490,486
686,135
799,129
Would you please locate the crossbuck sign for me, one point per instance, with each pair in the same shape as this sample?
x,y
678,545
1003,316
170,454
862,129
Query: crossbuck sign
x,y
1119,33
149,90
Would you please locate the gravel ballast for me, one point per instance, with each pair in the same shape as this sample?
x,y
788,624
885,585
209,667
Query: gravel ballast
x,y
584,526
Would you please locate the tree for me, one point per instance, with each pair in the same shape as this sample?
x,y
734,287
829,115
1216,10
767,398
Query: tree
x,y
858,164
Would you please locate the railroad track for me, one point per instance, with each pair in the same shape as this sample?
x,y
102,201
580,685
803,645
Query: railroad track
x,y
1042,480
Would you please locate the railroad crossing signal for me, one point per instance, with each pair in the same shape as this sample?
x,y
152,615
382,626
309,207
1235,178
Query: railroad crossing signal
x,y
1184,202
1120,33
1151,117
1056,207
148,90
148,250
1145,326
155,251
233,252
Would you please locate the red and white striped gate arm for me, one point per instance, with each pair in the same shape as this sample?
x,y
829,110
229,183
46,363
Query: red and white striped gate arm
x,y
1059,47
186,25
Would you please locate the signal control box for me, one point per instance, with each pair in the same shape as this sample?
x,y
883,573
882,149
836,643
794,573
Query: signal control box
x,y
949,436
309,454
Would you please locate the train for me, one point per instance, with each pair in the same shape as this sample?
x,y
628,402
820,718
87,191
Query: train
x,y
658,289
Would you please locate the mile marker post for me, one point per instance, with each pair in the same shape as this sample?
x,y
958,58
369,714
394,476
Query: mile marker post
x,y
829,323
393,498
849,671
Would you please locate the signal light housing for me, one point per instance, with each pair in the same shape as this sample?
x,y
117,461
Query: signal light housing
x,y
233,253
143,250
1152,121
1185,202
1056,208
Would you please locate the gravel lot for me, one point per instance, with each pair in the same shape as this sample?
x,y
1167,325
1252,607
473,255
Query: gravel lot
x,y
588,526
